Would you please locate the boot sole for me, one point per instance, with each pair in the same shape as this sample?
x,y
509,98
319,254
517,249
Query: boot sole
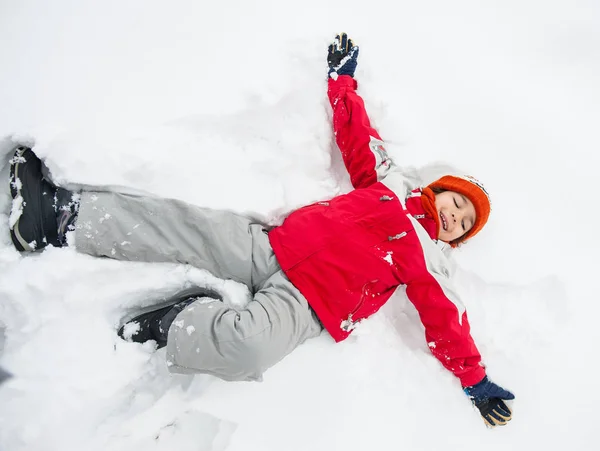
x,y
23,163
20,243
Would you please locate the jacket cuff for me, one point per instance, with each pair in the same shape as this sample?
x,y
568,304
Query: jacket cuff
x,y
342,81
472,377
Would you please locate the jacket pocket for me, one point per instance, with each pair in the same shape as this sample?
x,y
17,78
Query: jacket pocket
x,y
354,318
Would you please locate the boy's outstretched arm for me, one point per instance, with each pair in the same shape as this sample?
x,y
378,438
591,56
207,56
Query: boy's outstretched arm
x,y
361,146
448,336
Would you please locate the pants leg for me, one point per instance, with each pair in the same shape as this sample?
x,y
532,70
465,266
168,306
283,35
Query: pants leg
x,y
212,338
149,229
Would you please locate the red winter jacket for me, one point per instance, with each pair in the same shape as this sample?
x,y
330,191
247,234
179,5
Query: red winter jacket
x,y
348,255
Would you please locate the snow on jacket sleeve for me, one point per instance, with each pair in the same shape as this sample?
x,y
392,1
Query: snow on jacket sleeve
x,y
443,314
447,331
361,146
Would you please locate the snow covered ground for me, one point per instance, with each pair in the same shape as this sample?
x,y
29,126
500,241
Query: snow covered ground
x,y
223,104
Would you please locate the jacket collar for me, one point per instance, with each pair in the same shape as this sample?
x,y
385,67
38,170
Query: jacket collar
x,y
420,203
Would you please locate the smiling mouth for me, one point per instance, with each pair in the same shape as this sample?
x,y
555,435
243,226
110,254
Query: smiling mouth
x,y
444,222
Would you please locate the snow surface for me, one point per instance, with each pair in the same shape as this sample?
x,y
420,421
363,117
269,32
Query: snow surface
x,y
223,104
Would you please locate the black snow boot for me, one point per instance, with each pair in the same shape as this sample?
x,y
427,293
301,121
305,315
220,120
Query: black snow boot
x,y
41,213
154,322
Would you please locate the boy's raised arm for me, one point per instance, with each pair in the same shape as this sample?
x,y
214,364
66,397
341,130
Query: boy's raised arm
x,y
361,146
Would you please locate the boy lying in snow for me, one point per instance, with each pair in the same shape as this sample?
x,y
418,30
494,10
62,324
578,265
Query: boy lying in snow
x,y
329,265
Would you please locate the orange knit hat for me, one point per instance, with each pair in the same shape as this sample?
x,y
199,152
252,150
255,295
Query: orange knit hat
x,y
473,189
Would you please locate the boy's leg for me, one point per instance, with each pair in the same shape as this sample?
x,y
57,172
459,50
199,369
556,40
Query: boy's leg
x,y
151,229
212,338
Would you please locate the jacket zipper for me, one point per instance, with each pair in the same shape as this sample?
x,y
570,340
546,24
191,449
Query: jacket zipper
x,y
349,324
398,236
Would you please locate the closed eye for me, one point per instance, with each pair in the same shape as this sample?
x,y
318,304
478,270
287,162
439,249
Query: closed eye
x,y
462,223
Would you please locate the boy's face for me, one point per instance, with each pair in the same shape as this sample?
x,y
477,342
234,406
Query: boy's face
x,y
456,213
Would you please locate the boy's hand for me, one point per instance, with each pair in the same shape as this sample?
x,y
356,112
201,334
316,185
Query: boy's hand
x,y
488,398
342,56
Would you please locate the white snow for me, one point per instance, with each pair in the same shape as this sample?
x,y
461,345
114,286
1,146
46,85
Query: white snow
x,y
224,105
131,329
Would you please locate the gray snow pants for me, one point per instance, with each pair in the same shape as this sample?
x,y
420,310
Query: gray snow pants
x,y
210,338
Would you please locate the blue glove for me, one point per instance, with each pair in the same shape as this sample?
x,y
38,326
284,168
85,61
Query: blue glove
x,y
342,56
488,398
